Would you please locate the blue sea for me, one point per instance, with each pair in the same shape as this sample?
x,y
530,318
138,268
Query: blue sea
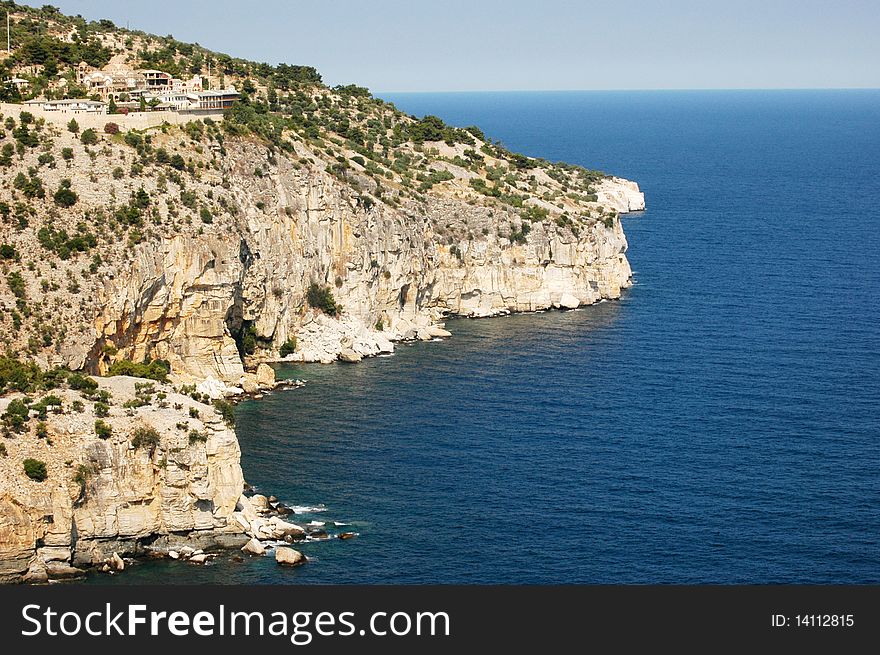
x,y
719,424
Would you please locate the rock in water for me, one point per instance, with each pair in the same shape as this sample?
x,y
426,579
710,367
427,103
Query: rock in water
x,y
569,301
116,562
254,547
259,502
348,355
198,559
436,331
265,376
249,383
289,557
60,570
347,535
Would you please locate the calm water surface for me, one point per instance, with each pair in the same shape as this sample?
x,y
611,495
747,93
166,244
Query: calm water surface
x,y
718,424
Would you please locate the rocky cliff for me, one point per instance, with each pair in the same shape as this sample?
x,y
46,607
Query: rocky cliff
x,y
178,482
187,297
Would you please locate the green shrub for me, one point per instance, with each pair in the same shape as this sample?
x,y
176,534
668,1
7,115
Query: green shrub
x,y
65,196
16,375
156,369
8,251
16,415
3,452
89,137
73,126
226,411
16,284
79,382
322,298
103,430
102,409
145,437
197,437
35,469
193,412
42,430
288,347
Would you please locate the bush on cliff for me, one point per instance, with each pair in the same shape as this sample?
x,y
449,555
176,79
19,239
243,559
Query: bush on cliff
x,y
145,437
288,347
16,415
156,369
226,411
35,469
16,375
89,137
103,430
322,298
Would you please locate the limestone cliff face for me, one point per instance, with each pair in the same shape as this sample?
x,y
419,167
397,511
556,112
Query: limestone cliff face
x,y
187,297
106,496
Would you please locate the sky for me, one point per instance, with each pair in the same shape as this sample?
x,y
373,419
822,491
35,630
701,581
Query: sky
x,y
495,45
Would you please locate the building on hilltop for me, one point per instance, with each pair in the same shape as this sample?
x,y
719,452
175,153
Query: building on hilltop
x,y
76,106
220,100
157,81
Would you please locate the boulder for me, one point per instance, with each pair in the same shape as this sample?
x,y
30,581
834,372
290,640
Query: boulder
x,y
254,547
265,376
282,529
568,301
116,562
438,332
318,534
348,355
198,559
173,554
212,387
259,502
289,557
249,383
61,571
347,535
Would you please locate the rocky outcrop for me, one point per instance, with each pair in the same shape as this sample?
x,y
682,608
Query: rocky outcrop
x,y
188,300
108,498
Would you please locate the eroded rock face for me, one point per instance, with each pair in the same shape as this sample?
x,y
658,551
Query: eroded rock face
x,y
104,499
187,300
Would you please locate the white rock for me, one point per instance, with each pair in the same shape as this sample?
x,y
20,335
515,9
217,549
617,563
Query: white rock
x,y
116,562
283,528
173,554
249,383
289,556
349,355
265,376
438,332
198,559
259,502
212,387
254,547
568,301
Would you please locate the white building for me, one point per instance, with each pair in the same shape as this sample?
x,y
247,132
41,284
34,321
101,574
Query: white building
x,y
78,106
